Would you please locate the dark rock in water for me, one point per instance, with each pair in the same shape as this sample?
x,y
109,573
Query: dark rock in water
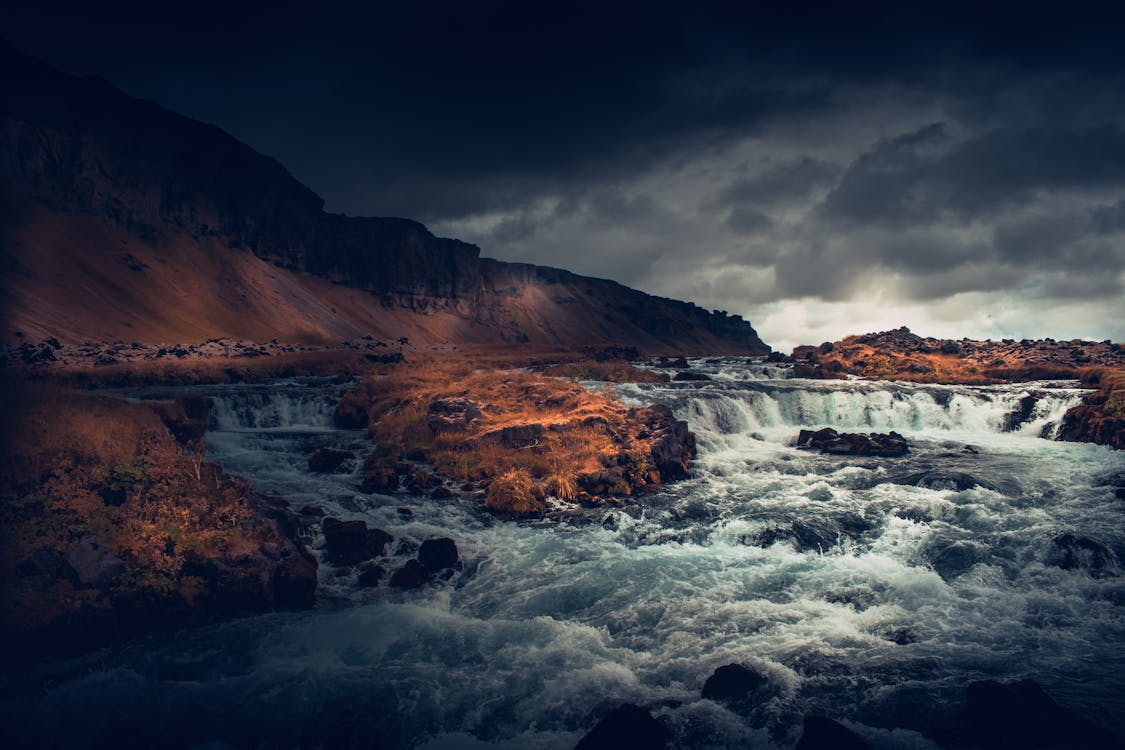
x,y
825,734
351,542
945,480
827,440
381,479
1021,715
370,575
673,444
688,376
93,563
328,459
1022,413
952,559
1071,552
450,414
626,726
437,555
294,579
733,685
412,575
405,513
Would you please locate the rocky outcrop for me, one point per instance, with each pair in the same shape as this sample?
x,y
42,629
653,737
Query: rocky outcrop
x,y
1101,417
80,147
734,686
820,733
827,440
625,726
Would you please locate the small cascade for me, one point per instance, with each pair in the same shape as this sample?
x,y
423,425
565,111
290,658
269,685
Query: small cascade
x,y
777,409
289,407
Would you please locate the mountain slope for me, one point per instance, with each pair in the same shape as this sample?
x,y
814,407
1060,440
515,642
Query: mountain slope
x,y
122,220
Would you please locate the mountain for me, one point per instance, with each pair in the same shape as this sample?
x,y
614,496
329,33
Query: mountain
x,y
122,220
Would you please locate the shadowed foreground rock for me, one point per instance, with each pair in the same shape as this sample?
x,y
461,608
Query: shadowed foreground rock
x,y
825,734
626,726
1021,715
734,685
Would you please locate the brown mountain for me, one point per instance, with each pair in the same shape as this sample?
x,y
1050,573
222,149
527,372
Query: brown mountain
x,y
121,220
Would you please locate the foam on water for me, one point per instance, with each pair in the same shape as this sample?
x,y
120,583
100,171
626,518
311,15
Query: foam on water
x,y
861,589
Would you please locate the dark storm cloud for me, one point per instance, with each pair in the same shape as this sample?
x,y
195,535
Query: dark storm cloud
x,y
733,155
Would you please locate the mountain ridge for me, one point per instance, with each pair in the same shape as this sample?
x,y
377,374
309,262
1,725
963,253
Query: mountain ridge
x,y
138,176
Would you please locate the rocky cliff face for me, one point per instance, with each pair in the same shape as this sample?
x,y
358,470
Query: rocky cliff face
x,y
78,146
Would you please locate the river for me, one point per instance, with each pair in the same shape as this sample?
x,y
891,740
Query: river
x,y
871,590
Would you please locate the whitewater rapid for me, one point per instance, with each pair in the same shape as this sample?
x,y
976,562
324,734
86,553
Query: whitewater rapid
x,y
870,590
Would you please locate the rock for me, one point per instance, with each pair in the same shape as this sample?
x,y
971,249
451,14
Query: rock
x,y
448,415
412,575
370,575
945,480
93,563
689,376
825,734
437,555
1022,413
1071,552
43,567
626,726
294,580
672,444
517,436
952,559
733,685
379,478
828,440
325,460
351,542
1021,715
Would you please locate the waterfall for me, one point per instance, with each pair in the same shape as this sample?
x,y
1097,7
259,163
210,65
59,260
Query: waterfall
x,y
290,406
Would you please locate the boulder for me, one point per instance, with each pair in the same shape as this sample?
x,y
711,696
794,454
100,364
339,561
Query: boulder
x,y
627,726
517,436
412,575
437,555
827,440
1072,552
825,734
351,542
451,414
370,575
93,563
326,460
1021,715
687,376
733,685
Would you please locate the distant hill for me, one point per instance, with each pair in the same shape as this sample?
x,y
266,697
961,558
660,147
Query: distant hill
x,y
121,220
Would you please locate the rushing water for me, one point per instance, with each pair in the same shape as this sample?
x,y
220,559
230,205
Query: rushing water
x,y
871,590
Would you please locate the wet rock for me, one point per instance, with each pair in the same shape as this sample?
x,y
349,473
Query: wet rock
x,y
1022,413
437,555
370,575
827,440
953,559
1021,715
945,480
672,443
326,460
412,575
734,686
380,478
351,542
93,563
451,414
405,513
1072,552
820,733
294,579
627,726
689,376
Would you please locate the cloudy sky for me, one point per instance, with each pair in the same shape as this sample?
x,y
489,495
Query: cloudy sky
x,y
820,172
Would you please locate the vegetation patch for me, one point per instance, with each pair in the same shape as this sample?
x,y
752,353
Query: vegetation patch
x,y
515,437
